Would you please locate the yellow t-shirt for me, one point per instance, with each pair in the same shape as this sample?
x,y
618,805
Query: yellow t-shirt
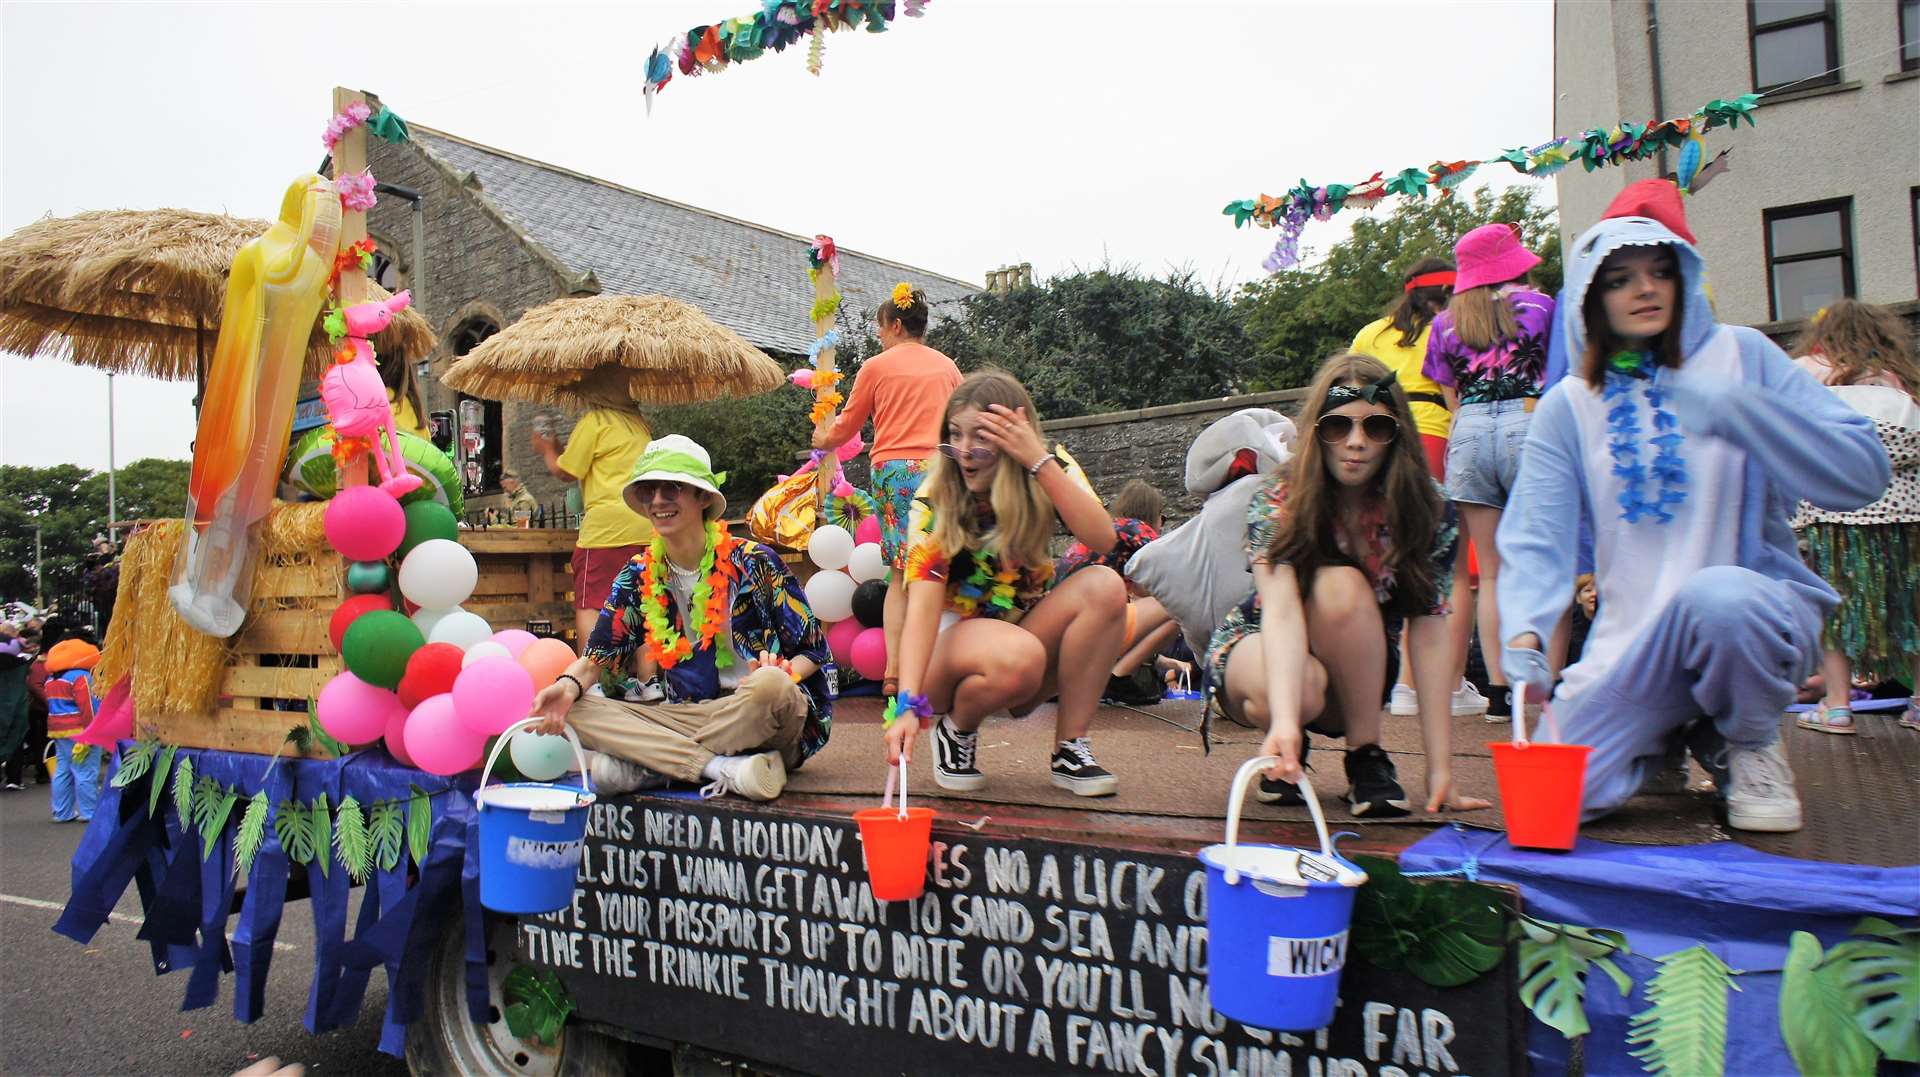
x,y
1382,341
600,453
404,418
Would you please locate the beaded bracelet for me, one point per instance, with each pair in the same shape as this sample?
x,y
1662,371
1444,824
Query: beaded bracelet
x,y
903,704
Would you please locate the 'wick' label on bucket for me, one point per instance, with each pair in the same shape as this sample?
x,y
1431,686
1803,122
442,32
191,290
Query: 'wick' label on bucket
x,y
1306,957
543,854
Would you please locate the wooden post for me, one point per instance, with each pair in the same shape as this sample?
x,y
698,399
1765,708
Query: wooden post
x,y
350,155
829,469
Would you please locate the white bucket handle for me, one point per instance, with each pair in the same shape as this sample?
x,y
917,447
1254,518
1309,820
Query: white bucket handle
x,y
886,798
1520,718
1246,774
500,744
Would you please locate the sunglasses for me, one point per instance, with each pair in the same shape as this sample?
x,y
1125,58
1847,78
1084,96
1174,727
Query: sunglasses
x,y
977,455
671,490
1379,429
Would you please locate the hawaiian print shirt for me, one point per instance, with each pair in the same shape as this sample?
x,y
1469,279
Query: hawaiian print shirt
x,y
770,613
1510,370
1133,535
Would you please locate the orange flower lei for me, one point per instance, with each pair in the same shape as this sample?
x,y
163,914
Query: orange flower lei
x,y
708,614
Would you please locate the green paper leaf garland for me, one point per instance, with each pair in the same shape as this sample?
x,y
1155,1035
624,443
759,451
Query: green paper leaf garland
x,y
1817,1017
290,827
159,784
252,830
350,839
386,832
134,763
1683,1031
419,826
215,823
1880,974
1554,959
183,790
1446,933
320,825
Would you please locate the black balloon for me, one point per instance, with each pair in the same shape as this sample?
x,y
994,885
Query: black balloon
x,y
870,602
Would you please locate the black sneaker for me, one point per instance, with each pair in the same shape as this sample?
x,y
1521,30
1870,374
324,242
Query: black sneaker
x,y
953,766
1499,703
1076,771
1140,688
1375,791
1281,792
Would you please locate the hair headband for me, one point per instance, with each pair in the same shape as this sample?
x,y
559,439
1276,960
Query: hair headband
x,y
1432,280
1347,394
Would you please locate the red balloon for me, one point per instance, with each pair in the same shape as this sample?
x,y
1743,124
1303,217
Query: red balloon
x,y
431,671
351,609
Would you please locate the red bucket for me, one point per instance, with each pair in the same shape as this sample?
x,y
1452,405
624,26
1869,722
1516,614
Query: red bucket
x,y
896,840
1540,789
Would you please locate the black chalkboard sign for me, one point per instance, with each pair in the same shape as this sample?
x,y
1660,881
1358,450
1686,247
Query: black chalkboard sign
x,y
753,934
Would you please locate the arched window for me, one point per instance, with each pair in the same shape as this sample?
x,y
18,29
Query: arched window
x,y
386,270
478,424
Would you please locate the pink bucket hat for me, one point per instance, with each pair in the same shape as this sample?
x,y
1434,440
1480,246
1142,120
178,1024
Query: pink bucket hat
x,y
1491,254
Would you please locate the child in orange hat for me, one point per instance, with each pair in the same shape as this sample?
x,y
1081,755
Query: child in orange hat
x,y
69,694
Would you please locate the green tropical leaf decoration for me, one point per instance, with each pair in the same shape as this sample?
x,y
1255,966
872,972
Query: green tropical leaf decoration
x,y
216,821
1554,959
1683,1031
1881,976
1446,933
537,1004
319,734
386,832
291,828
183,790
134,763
1817,1016
253,830
206,798
159,783
320,825
419,826
350,839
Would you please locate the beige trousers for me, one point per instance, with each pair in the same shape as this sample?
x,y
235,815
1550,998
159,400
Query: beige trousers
x,y
677,739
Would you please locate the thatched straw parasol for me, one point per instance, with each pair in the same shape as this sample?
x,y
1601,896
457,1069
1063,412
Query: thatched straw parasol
x,y
614,350
141,291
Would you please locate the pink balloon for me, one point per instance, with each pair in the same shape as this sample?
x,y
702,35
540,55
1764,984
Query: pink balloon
x,y
355,712
515,640
492,694
438,741
364,523
113,722
870,653
840,637
396,738
867,530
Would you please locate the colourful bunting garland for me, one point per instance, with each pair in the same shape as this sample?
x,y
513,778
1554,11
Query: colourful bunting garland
x,y
778,24
1594,149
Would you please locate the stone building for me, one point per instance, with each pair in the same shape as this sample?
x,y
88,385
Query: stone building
x,y
1823,197
503,234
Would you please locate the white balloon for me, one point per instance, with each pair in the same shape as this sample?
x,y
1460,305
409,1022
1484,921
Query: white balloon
x,y
831,595
486,648
539,757
867,563
425,619
439,573
462,629
830,546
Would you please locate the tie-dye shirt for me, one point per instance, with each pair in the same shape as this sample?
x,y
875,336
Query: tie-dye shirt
x,y
1510,370
770,613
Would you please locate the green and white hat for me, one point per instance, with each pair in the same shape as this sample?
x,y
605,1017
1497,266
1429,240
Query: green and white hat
x,y
677,458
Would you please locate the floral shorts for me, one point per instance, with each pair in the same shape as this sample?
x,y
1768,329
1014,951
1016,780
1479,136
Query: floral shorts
x,y
894,484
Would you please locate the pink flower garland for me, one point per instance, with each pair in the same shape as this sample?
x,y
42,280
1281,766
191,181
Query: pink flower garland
x,y
353,116
356,191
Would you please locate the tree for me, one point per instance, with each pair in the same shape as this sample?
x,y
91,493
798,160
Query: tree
x,y
752,440
1298,317
68,505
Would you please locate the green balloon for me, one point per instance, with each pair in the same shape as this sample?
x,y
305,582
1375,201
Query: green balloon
x,y
378,644
368,577
427,520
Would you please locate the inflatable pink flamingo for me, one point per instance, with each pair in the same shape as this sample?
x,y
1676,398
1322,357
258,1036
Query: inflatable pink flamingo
x,y
356,398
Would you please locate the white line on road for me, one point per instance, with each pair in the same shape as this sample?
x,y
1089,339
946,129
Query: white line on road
x,y
54,906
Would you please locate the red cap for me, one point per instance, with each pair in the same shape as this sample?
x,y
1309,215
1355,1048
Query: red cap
x,y
1657,199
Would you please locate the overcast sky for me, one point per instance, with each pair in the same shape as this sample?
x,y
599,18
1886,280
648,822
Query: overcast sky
x,y
988,132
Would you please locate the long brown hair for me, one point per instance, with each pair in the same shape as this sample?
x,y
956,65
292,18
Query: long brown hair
x,y
1414,310
1860,340
1023,513
1602,343
1482,317
1138,500
1305,538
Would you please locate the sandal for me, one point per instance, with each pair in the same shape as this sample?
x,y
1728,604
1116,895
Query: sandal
x,y
1910,718
1829,720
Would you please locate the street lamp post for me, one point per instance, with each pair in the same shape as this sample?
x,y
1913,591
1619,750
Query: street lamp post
x,y
111,513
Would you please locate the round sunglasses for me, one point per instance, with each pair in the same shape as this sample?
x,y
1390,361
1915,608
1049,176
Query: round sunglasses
x,y
1379,429
645,490
977,455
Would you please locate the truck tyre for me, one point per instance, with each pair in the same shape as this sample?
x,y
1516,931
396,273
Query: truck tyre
x,y
445,1042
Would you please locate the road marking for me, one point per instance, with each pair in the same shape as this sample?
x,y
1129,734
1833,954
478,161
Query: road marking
x,y
54,906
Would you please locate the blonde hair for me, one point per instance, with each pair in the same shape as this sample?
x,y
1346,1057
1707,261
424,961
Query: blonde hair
x,y
1860,340
1482,317
1023,513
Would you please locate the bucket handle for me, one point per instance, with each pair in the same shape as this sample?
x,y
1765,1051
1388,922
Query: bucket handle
x,y
886,798
1246,774
500,744
1520,719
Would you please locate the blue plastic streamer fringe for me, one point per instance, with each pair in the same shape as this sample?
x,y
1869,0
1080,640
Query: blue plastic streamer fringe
x,y
186,898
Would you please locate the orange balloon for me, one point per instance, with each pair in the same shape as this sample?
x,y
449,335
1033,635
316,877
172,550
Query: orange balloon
x,y
546,660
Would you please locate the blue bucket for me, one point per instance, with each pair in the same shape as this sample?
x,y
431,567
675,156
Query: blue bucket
x,y
1277,922
531,836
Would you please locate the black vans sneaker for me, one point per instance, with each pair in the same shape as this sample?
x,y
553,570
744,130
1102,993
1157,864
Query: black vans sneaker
x,y
1076,771
1281,792
953,751
1375,792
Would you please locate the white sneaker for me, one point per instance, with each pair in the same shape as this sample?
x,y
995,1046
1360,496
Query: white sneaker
x,y
612,775
1468,700
1405,704
1760,793
762,776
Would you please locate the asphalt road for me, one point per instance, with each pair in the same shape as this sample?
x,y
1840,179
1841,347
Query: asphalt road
x,y
100,1009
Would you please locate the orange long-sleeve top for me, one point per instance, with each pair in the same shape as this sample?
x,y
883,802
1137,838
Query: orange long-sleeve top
x,y
904,390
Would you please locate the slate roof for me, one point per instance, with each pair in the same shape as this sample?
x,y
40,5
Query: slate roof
x,y
748,277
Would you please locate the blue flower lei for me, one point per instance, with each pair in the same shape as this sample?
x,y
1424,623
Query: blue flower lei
x,y
1623,424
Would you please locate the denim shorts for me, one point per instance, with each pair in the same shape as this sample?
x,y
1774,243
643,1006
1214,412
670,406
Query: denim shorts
x,y
1483,455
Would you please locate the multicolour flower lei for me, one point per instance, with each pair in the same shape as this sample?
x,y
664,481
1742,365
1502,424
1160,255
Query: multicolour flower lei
x,y
707,614
899,706
1625,370
358,253
986,585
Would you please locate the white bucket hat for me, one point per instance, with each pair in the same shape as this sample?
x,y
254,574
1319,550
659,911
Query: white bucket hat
x,y
677,458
